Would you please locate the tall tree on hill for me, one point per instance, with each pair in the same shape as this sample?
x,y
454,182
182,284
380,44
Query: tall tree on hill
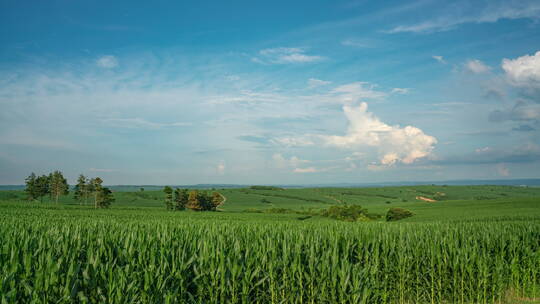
x,y
168,197
42,186
180,199
95,183
81,192
31,187
58,185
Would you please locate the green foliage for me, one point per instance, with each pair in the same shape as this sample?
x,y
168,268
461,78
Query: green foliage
x,y
168,197
58,185
396,214
65,254
104,198
349,213
181,199
265,188
82,189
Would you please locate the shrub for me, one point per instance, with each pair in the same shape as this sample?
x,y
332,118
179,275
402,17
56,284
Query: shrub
x,y
349,213
396,214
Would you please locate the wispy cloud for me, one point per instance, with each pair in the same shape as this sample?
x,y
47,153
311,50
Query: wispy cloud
x,y
439,59
107,62
476,66
400,91
313,83
283,55
475,12
139,123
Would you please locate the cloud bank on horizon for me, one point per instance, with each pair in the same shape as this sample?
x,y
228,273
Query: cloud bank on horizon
x,y
347,92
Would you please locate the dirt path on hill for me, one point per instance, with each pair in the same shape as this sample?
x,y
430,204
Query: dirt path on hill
x,y
222,202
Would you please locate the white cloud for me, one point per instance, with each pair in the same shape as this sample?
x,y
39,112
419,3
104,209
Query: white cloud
x,y
356,91
395,144
284,55
313,83
220,169
293,141
523,71
139,123
491,12
482,150
400,91
356,43
306,170
439,59
107,62
476,66
282,162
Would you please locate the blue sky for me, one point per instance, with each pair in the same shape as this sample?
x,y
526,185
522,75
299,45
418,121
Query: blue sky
x,y
274,92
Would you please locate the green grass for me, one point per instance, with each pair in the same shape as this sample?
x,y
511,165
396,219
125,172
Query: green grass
x,y
477,245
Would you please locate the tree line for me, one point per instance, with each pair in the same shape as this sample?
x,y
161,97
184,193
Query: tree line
x,y
181,199
55,185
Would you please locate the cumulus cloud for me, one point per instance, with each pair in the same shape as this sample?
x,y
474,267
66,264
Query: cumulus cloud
x,y
107,62
523,71
283,55
313,83
476,66
395,144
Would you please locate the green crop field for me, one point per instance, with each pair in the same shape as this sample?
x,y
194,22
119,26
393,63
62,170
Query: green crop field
x,y
474,244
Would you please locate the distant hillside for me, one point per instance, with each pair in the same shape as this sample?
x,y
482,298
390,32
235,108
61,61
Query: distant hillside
x,y
496,182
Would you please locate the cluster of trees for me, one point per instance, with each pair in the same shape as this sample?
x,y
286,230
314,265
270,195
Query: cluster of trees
x,y
87,188
180,199
55,185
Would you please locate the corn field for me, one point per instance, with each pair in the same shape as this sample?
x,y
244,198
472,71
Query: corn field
x,y
103,260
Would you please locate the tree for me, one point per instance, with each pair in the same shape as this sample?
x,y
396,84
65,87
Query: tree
x,y
42,186
104,198
95,184
168,197
31,189
81,192
58,185
181,199
217,199
193,200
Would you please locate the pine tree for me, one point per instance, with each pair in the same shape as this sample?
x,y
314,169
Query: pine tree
x,y
97,188
42,186
31,187
58,185
81,189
